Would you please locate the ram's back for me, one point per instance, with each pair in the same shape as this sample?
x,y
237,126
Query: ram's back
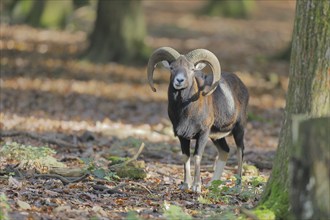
x,y
230,101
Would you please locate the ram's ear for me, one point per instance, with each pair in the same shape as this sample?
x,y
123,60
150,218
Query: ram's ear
x,y
200,81
166,64
200,66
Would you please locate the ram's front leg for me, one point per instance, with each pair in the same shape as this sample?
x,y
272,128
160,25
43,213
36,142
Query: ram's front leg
x,y
185,147
199,149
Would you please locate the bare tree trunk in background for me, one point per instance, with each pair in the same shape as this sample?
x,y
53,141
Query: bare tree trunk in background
x,y
308,93
41,13
119,32
34,16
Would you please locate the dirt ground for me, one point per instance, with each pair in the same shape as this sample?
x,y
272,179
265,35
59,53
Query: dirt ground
x,y
45,89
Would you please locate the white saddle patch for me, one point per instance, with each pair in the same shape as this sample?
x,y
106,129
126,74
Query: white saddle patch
x,y
229,97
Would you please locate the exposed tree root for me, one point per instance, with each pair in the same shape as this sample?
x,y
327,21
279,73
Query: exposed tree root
x,y
64,180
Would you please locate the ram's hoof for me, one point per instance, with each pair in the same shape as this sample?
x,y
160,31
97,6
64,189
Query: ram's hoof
x,y
197,188
184,186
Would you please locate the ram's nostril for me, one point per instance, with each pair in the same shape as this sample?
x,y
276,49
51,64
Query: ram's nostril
x,y
179,80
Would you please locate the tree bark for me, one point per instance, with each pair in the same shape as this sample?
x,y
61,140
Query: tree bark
x,y
119,32
34,16
308,93
310,162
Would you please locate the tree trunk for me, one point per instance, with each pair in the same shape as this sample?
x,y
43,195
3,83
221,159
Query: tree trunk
x,y
42,13
119,32
310,186
308,93
34,16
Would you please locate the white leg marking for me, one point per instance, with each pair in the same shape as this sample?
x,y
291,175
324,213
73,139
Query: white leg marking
x,y
215,162
219,167
187,176
197,185
197,159
184,158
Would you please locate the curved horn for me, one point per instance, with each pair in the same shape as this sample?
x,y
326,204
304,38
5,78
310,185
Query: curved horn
x,y
160,54
203,55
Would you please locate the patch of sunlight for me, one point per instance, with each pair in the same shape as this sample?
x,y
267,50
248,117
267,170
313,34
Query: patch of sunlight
x,y
105,127
115,91
26,33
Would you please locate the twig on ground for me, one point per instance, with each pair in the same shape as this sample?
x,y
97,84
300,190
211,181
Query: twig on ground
x,y
121,185
131,159
36,136
144,187
109,190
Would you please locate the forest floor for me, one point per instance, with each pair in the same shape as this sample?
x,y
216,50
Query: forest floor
x,y
109,110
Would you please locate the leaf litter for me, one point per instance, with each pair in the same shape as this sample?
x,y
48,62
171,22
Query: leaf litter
x,y
102,111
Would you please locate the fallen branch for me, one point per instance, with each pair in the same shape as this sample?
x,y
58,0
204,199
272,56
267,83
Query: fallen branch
x,y
68,172
115,189
9,169
144,187
35,136
64,180
131,159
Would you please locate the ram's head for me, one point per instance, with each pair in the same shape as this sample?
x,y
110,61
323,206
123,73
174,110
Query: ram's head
x,y
183,68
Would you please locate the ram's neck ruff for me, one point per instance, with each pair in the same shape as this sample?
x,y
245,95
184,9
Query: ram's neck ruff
x,y
184,97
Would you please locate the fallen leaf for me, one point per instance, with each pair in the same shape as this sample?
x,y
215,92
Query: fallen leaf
x,y
23,205
14,183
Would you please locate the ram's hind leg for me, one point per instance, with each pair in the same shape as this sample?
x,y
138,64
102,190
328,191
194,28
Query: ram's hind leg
x,y
185,147
238,133
223,151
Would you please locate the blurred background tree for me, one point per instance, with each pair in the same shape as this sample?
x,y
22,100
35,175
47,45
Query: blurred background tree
x,y
285,54
119,33
45,13
119,29
230,8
